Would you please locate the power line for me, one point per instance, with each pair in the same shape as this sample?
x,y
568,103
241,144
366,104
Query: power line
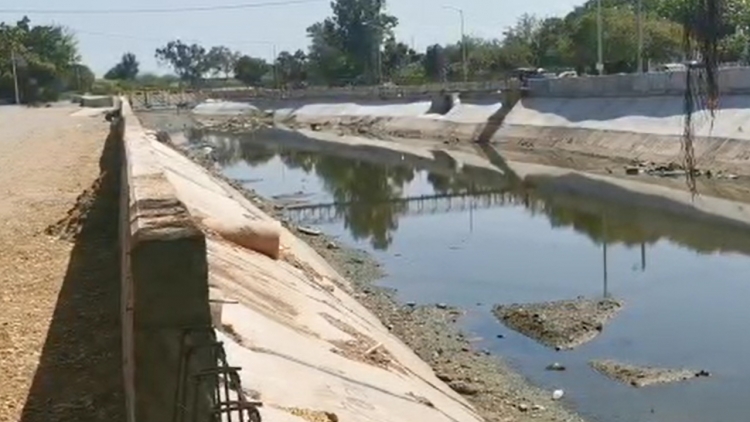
x,y
165,39
163,10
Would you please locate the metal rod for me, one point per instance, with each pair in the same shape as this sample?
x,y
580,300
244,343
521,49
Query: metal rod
x,y
599,52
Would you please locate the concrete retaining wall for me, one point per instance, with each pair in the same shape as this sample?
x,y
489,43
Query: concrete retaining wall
x,y
646,128
283,321
732,81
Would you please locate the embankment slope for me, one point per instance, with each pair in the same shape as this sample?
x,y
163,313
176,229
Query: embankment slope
x,y
305,344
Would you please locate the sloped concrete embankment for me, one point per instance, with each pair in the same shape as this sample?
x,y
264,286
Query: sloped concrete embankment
x,y
307,348
631,128
433,119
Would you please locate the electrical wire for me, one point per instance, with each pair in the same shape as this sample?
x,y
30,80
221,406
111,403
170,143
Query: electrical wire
x,y
162,10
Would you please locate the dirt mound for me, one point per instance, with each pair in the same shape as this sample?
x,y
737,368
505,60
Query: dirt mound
x,y
564,324
641,376
68,227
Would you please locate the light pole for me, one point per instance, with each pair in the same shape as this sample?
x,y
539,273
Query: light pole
x,y
464,61
15,73
599,53
640,35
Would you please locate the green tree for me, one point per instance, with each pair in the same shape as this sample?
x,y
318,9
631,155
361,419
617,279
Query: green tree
x,y
355,32
250,70
434,63
221,60
126,69
291,68
43,55
189,62
79,78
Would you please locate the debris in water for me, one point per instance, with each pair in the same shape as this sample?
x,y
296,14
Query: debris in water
x,y
557,394
642,376
562,325
556,367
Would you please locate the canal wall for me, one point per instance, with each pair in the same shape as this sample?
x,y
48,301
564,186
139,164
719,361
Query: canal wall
x,y
633,117
284,322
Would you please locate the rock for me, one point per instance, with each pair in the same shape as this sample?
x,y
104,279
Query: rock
x,y
500,336
632,171
444,377
309,231
331,245
464,388
538,407
442,306
411,304
557,394
555,367
523,407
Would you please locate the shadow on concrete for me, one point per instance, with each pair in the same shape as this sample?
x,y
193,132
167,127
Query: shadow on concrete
x,y
79,377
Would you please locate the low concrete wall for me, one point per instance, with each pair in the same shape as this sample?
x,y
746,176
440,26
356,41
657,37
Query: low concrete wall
x,y
164,284
732,81
286,322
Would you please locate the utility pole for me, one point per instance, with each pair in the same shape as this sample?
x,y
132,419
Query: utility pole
x,y
599,53
275,68
15,73
640,36
464,54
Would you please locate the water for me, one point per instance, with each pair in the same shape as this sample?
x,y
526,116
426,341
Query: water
x,y
683,280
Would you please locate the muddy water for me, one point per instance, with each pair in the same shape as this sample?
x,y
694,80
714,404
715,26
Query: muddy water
x,y
471,238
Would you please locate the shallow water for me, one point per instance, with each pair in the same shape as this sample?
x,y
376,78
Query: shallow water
x,y
471,239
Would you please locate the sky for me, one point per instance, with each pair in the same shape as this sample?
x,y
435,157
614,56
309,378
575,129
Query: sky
x,y
103,38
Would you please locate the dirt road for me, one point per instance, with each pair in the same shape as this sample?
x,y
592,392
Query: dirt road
x,y
59,307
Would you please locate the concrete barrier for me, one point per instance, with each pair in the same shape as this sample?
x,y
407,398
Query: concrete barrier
x,y
164,283
732,81
287,322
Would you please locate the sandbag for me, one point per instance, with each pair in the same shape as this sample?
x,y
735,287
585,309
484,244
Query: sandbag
x,y
260,236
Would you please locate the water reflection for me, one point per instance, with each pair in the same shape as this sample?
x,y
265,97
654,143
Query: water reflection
x,y
370,194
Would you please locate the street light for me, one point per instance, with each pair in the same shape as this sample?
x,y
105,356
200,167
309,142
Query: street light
x,y
640,36
463,42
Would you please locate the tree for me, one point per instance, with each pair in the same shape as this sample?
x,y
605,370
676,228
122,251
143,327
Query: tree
x,y
434,63
291,68
355,32
79,78
43,54
222,60
250,70
189,62
126,70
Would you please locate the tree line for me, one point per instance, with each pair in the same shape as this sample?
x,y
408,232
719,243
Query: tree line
x,y
357,45
45,61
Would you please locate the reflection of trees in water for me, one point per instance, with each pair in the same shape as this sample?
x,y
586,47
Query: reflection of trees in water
x,y
366,192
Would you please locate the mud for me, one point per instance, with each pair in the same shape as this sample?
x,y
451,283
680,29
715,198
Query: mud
x,y
562,325
642,376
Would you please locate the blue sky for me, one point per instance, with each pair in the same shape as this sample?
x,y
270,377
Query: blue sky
x,y
104,38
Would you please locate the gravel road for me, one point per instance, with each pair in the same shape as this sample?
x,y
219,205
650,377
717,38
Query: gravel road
x,y
59,328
